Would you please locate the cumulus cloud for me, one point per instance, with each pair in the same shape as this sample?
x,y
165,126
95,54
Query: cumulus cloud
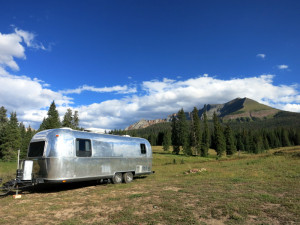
x,y
292,107
23,94
262,56
30,97
161,97
11,47
118,89
168,96
282,67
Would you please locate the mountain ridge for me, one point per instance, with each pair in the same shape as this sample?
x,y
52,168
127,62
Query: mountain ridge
x,y
238,108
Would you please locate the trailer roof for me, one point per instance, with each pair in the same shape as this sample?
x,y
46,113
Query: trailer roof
x,y
83,134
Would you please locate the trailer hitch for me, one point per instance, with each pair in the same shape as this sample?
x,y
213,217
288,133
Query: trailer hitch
x,y
7,187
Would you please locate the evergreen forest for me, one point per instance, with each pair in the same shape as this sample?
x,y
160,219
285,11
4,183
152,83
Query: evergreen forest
x,y
15,136
193,137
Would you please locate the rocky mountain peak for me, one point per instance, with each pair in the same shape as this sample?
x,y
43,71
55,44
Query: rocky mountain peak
x,y
236,108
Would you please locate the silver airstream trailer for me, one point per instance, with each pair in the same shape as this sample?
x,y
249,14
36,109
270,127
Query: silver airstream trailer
x,y
66,155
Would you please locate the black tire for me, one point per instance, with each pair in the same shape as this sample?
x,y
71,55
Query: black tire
x,y
5,189
117,178
127,177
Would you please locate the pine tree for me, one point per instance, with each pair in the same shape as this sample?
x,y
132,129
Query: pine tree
x,y
3,116
246,140
68,118
284,138
160,138
258,143
291,136
152,139
71,120
205,137
240,145
52,121
278,137
196,132
230,142
183,133
25,142
23,147
251,147
175,136
166,140
75,121
53,117
297,137
133,133
265,141
272,139
219,139
3,125
11,139
43,125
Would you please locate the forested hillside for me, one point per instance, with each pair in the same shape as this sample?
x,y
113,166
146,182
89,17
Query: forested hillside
x,y
192,132
246,134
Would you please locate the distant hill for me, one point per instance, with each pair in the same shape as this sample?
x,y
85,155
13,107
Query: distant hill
x,y
239,110
144,123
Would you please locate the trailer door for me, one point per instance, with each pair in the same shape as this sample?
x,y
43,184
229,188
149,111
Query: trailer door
x,y
83,159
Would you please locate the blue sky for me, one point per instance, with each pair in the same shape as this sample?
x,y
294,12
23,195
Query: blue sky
x,y
120,61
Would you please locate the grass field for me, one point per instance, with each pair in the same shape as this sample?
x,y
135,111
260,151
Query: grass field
x,y
245,189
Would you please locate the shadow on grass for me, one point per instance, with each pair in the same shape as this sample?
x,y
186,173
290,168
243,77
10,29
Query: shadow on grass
x,y
60,187
52,188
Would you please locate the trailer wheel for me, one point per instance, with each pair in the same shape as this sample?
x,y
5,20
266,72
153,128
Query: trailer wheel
x,y
117,178
6,188
4,191
127,177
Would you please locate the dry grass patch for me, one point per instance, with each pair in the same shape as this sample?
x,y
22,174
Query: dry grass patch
x,y
258,189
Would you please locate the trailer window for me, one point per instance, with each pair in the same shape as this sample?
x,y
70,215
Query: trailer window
x,y
36,149
83,148
143,148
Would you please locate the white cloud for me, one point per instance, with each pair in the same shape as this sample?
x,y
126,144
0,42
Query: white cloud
x,y
156,86
282,67
168,96
27,96
262,56
29,39
119,89
11,47
159,98
292,107
30,99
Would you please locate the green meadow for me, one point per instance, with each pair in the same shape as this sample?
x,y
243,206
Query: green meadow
x,y
242,189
